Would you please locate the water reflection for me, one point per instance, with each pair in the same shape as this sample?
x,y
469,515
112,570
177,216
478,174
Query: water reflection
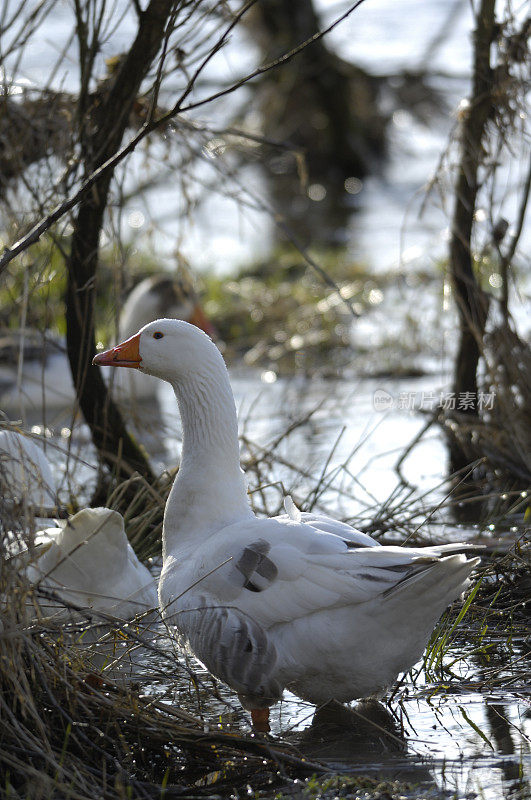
x,y
503,731
444,744
365,738
342,734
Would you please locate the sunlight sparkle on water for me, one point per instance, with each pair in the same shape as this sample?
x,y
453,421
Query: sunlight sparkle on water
x,y
353,185
447,293
316,192
375,297
296,341
136,219
41,430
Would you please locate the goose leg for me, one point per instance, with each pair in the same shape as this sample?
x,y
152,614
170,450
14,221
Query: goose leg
x,y
260,720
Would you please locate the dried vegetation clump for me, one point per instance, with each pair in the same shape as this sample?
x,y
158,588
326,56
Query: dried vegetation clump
x,y
277,314
500,435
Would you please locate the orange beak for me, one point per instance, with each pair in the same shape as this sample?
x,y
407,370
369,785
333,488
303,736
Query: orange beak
x,y
198,318
125,354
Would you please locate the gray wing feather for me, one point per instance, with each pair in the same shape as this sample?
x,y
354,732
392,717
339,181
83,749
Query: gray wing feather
x,y
257,569
233,647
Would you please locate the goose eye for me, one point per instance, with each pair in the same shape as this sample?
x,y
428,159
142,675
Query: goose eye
x,y
158,335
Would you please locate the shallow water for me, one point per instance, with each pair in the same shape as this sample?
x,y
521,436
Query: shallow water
x,y
354,427
468,745
452,738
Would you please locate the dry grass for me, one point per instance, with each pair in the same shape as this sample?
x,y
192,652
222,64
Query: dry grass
x,y
77,723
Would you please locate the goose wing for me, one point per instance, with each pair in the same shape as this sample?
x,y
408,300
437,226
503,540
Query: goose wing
x,y
277,571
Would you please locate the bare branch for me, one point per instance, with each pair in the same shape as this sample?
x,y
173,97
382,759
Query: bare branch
x,y
507,257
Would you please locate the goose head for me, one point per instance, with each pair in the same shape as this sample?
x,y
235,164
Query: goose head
x,y
170,349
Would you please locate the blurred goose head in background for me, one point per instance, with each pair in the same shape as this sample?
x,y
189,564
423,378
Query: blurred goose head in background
x,y
34,368
173,297
160,295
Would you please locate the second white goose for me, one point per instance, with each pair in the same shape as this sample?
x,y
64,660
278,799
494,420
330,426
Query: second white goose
x,y
25,472
89,564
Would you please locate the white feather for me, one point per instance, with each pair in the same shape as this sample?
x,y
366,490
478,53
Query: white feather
x,y
291,509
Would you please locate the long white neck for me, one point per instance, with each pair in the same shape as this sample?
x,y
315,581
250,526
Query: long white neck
x,y
209,492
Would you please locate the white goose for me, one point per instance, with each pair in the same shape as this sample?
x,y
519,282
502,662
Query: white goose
x,y
34,368
86,561
299,601
89,563
25,472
